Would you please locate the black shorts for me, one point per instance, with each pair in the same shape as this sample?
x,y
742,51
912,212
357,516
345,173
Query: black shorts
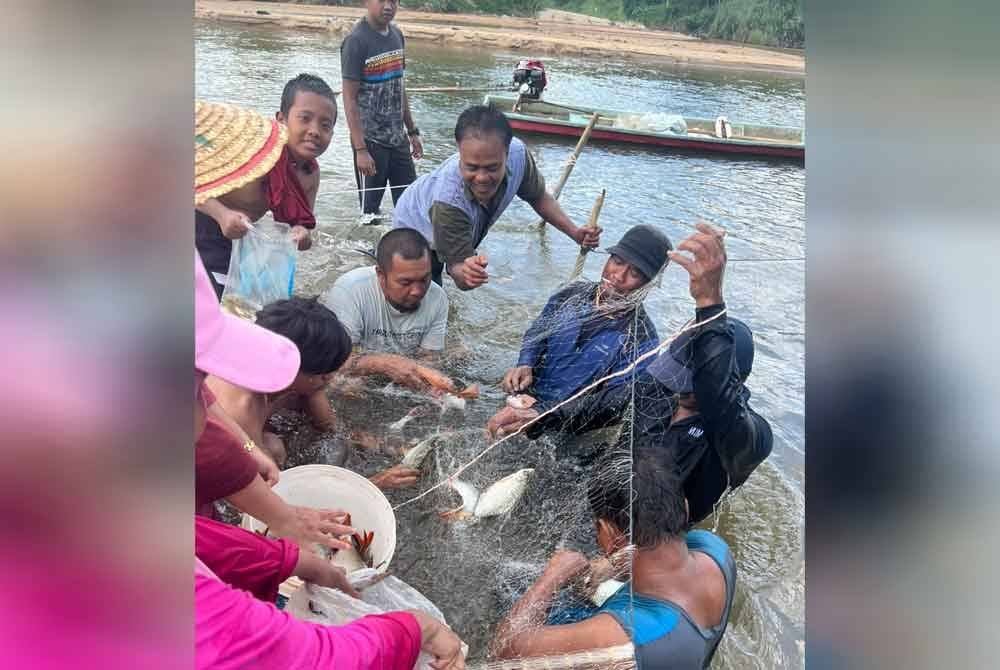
x,y
393,165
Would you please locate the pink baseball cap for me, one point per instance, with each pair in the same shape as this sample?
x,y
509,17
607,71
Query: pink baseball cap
x,y
235,350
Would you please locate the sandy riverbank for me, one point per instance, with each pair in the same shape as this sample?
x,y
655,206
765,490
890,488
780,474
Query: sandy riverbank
x,y
551,33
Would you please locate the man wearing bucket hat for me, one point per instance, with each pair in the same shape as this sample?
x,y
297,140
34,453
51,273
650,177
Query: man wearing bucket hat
x,y
232,628
691,405
589,330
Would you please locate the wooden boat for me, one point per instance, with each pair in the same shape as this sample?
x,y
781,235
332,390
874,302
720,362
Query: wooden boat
x,y
702,135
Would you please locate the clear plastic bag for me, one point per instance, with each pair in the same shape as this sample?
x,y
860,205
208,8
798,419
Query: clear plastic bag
x,y
378,595
261,269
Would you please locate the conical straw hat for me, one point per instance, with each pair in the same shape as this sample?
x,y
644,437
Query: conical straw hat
x,y
232,147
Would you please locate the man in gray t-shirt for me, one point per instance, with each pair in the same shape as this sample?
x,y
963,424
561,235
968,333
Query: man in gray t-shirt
x,y
393,312
384,137
376,325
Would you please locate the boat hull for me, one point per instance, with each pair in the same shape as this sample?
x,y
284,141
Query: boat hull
x,y
553,119
658,140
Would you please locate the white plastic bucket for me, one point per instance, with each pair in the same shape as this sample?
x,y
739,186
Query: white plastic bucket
x,y
330,487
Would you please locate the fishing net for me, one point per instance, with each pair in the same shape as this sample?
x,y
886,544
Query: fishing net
x,y
498,556
475,569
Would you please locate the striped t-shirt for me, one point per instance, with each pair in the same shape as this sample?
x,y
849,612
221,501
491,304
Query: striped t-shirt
x,y
377,62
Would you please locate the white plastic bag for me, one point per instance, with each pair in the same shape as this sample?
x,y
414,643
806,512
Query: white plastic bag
x,y
657,122
330,607
261,268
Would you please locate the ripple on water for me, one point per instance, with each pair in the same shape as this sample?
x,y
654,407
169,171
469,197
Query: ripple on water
x,y
470,569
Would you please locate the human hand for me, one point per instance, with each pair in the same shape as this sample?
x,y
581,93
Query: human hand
x,y
308,526
470,273
509,420
417,146
315,570
588,237
396,477
707,267
234,224
365,162
614,566
565,565
440,642
266,466
301,237
517,379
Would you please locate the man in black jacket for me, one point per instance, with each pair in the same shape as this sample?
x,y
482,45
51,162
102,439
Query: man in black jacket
x,y
691,404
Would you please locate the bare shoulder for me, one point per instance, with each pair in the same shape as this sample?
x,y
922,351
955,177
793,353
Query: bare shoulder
x,y
712,596
245,407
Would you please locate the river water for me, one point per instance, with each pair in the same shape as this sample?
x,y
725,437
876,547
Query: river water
x,y
468,569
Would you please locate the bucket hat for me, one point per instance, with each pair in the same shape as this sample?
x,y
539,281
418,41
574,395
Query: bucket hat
x,y
232,147
235,350
645,248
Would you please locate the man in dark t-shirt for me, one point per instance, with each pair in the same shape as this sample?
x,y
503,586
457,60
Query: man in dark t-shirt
x,y
383,135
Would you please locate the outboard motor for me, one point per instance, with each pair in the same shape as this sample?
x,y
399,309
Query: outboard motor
x,y
529,79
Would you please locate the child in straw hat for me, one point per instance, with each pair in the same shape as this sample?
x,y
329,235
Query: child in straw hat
x,y
264,177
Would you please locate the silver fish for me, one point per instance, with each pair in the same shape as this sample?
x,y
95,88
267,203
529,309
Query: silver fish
x,y
397,426
414,458
451,401
498,499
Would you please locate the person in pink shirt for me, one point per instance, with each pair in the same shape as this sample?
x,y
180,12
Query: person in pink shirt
x,y
260,564
233,629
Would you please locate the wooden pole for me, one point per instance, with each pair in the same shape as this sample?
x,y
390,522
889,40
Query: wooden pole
x,y
584,138
591,224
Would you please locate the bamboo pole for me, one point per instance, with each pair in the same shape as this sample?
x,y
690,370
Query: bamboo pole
x,y
591,224
584,138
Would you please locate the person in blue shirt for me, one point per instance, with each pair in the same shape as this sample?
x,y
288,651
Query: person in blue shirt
x,y
675,608
589,330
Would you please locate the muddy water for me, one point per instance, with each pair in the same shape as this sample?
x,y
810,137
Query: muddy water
x,y
471,569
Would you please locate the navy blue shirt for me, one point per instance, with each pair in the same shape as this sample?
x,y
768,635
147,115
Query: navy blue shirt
x,y
572,344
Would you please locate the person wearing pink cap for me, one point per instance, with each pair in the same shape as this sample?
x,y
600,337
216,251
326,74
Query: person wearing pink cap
x,y
232,628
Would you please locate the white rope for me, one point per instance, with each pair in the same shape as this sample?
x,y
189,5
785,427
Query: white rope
x,y
654,352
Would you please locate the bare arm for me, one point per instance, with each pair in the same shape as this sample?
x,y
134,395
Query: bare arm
x,y
301,524
407,115
320,411
399,369
523,632
548,208
266,466
353,112
242,406
311,187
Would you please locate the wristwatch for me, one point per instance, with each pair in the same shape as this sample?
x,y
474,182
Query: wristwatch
x,y
414,132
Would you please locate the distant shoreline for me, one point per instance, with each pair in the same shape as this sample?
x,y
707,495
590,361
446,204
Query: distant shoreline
x,y
554,33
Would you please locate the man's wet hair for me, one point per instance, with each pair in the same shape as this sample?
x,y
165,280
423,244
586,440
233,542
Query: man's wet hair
x,y
323,342
481,120
406,242
651,505
306,82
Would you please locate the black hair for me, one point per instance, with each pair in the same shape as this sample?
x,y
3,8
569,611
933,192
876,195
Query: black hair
x,y
653,500
323,342
306,82
482,120
406,242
